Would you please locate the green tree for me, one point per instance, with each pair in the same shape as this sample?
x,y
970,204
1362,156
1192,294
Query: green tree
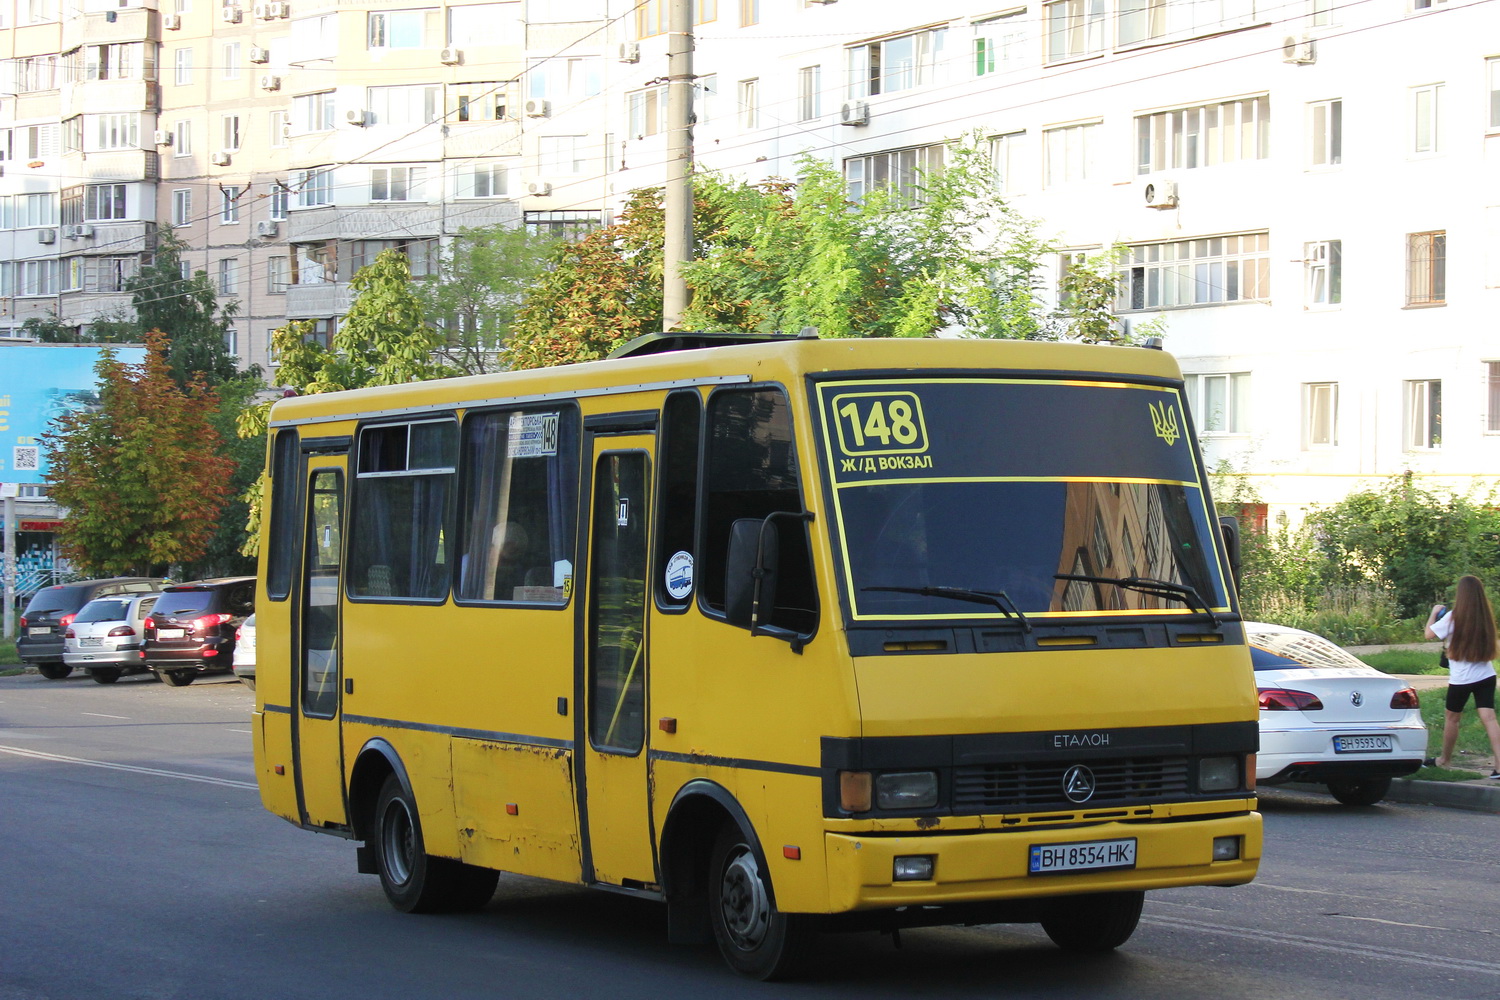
x,y
49,329
187,310
144,476
477,291
1087,293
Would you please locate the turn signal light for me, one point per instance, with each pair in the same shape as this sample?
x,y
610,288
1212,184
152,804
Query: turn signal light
x,y
1405,698
1287,700
855,791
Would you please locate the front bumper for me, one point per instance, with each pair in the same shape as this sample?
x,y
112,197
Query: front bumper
x,y
991,865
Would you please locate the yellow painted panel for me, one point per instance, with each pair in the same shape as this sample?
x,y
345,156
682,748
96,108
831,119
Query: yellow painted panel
x,y
542,837
273,747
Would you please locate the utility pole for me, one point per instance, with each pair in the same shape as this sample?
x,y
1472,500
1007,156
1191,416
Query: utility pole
x,y
8,491
677,247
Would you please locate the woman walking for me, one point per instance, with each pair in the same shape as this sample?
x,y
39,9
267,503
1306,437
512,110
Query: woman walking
x,y
1469,631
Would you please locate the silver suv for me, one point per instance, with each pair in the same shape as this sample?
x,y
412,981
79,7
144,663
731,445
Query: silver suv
x,y
106,636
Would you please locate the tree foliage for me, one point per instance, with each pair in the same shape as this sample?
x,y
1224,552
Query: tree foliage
x,y
187,310
144,476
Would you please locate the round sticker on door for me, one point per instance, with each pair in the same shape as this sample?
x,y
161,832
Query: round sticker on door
x,y
680,575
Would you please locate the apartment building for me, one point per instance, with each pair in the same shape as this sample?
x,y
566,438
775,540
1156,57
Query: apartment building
x,y
1283,180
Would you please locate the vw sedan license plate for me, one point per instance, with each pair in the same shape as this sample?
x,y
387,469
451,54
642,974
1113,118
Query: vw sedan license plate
x,y
171,633
1362,744
1089,856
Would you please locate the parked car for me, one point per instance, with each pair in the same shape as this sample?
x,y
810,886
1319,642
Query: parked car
x,y
39,639
1326,717
191,629
244,653
106,635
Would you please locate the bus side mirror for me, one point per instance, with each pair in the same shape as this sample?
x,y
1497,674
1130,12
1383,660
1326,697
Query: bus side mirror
x,y
750,572
1229,530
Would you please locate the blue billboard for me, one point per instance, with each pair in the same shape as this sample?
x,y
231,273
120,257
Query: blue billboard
x,y
39,382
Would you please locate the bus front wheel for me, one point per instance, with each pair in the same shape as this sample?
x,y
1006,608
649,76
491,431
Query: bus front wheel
x,y
415,881
1095,923
755,938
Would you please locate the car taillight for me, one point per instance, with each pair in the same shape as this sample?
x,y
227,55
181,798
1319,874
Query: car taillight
x,y
68,634
149,624
122,630
239,634
1287,700
206,622
1405,698
67,620
23,621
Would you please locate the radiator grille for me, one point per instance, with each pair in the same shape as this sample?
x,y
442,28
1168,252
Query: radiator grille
x,y
1030,786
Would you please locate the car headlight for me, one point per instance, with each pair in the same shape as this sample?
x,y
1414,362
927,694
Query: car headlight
x,y
907,790
1218,774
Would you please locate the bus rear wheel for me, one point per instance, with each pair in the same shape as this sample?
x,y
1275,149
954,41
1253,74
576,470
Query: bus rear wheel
x,y
755,938
415,881
1094,923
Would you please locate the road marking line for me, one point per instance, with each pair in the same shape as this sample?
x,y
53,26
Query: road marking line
x,y
247,732
159,772
1346,948
101,715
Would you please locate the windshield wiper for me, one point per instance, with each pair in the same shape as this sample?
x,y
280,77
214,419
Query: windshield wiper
x,y
1146,585
999,598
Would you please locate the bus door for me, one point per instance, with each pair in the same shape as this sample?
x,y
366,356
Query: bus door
x,y
613,785
319,751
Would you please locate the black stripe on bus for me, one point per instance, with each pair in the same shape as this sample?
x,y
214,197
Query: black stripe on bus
x,y
774,767
468,734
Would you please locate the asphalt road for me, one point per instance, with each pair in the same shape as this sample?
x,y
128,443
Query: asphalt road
x,y
137,863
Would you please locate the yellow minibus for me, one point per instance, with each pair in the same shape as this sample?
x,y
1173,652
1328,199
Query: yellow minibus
x,y
793,635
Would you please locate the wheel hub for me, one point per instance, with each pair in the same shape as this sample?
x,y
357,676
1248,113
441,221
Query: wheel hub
x,y
743,900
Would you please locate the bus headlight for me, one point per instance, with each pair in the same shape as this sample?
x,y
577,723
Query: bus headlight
x,y
907,790
1218,774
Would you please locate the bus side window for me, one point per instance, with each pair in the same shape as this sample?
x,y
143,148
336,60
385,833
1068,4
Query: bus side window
x,y
286,493
751,471
402,511
676,520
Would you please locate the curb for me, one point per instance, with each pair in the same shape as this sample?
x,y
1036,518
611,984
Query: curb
x,y
1472,795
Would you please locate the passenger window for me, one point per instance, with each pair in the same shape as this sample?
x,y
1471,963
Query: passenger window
x,y
518,508
751,471
677,522
286,522
402,511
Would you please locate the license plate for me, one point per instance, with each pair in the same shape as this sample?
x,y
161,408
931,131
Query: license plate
x,y
171,633
1362,744
1092,855
42,630
96,640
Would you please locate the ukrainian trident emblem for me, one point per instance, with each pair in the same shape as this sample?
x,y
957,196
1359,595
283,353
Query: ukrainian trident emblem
x,y
1164,420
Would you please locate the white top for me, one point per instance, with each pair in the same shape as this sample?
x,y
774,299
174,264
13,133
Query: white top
x,y
1461,671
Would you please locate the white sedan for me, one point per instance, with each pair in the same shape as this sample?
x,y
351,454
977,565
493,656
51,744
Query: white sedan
x,y
1326,717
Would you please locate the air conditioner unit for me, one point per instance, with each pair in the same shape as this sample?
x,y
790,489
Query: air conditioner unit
x,y
854,113
231,15
46,235
538,109
539,188
277,9
1298,50
220,159
1161,194
259,55
260,12
82,232
172,22
270,82
821,1
265,229
163,137
357,116
630,52
450,56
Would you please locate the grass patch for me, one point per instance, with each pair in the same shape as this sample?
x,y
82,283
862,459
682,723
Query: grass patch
x,y
1471,737
1446,774
12,671
1404,661
8,655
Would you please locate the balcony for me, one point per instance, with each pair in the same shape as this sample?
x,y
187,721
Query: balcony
x,y
317,301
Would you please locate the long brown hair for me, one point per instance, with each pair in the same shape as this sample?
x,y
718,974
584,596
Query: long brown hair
x,y
1473,635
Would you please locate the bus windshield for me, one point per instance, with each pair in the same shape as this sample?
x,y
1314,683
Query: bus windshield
x,y
1017,487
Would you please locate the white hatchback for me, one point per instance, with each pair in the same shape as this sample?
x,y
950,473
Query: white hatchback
x,y
1326,717
244,652
104,638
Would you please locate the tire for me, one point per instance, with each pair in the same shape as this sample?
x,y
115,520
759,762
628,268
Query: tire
x,y
1360,791
249,682
54,671
755,938
415,881
1095,923
177,678
105,675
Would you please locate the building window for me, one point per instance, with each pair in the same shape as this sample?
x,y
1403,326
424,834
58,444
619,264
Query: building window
x,y
749,13
397,184
563,80
404,29
103,202
809,93
182,138
278,274
567,225
478,102
1005,159
900,170
1424,414
1075,28
314,38
232,341
230,69
118,131
1492,75
1184,273
281,128
313,112
705,97
1000,44
651,16
1068,154
646,111
1143,21
482,180
229,204
230,128
1426,268
418,105
749,104
1492,396
182,67
228,276
1425,124
1324,267
1322,13
72,134
483,24
895,64
1204,136
1325,121
313,187
560,154
1220,403
280,201
1320,415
